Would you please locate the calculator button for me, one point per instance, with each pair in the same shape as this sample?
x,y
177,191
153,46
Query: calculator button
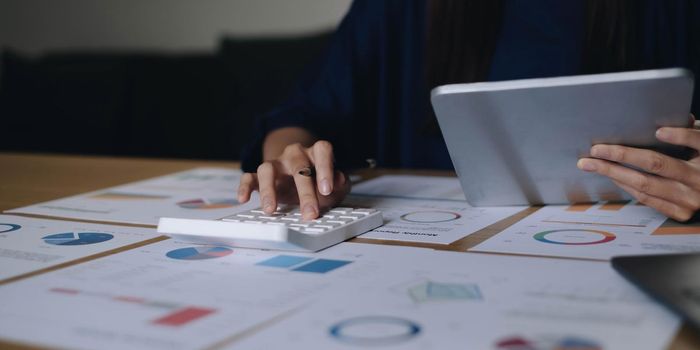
x,y
299,225
363,211
247,216
287,218
326,226
257,211
340,210
339,221
351,217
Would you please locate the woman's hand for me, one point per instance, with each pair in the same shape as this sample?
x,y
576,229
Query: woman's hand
x,y
279,181
671,186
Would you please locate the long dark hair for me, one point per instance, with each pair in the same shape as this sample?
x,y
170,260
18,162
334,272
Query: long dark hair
x,y
462,35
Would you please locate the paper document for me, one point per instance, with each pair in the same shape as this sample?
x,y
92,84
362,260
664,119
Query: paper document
x,y
171,295
475,301
28,244
598,231
201,193
411,186
429,221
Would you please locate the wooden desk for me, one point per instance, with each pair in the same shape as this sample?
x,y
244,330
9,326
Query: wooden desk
x,y
31,178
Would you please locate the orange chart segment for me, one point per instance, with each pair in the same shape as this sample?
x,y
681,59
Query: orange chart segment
x,y
675,228
580,207
613,206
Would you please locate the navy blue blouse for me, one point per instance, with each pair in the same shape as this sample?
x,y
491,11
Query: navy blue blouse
x,y
367,96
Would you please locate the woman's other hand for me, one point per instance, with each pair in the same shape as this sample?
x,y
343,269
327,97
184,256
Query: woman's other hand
x,y
670,185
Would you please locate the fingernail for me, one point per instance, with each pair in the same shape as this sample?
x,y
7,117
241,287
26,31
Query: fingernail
x,y
309,211
267,204
325,187
662,134
586,165
342,178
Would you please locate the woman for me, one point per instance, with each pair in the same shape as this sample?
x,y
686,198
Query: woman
x,y
368,97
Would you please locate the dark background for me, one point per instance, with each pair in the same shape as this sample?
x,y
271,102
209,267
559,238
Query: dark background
x,y
140,103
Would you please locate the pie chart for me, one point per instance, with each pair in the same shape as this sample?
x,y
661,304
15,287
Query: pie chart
x,y
202,203
374,330
547,342
198,253
77,238
574,237
430,216
9,227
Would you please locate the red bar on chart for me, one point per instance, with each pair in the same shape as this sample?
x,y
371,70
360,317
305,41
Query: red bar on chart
x,y
64,290
183,316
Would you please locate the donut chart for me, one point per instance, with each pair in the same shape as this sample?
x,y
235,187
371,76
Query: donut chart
x,y
9,227
430,216
574,237
374,330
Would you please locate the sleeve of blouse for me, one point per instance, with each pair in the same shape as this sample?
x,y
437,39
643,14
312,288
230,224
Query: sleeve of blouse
x,y
694,50
324,98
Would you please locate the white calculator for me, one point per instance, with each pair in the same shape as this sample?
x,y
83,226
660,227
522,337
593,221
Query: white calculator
x,y
282,230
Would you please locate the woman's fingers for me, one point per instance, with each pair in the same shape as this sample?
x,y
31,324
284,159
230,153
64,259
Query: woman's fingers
x,y
665,207
649,161
322,156
267,172
648,184
341,188
680,136
294,160
248,184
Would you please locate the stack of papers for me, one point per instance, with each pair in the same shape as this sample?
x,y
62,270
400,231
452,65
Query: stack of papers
x,y
82,285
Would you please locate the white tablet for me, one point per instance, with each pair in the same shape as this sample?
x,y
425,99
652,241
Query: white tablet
x,y
517,142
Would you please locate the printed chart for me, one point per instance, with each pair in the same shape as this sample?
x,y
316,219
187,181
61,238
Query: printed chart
x,y
430,221
595,231
28,244
9,227
303,264
80,238
170,314
434,300
171,295
201,193
199,253
374,330
547,343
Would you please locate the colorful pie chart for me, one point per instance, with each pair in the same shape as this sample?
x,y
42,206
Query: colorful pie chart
x,y
77,238
574,237
202,203
198,253
9,227
547,343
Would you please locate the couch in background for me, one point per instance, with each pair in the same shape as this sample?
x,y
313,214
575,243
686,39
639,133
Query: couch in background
x,y
183,105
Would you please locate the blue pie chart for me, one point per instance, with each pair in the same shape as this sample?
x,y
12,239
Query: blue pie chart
x,y
198,253
77,238
9,227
